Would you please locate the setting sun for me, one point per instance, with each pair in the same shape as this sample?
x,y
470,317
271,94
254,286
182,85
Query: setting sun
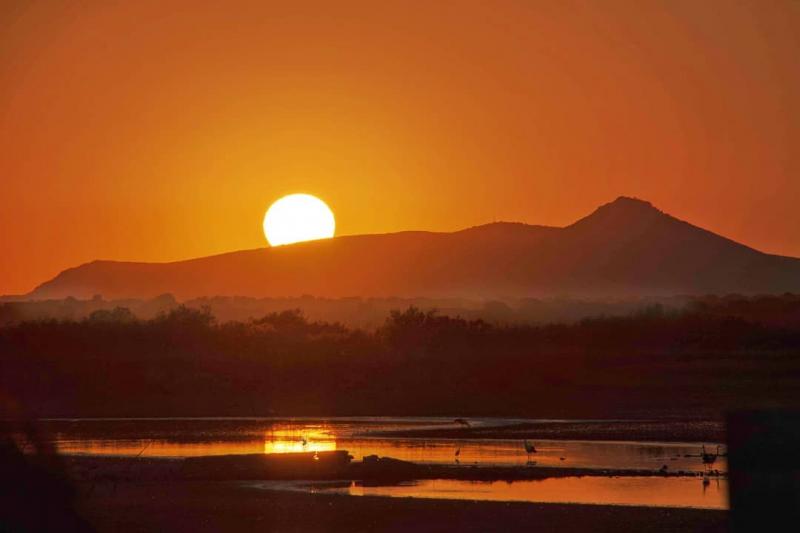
x,y
297,218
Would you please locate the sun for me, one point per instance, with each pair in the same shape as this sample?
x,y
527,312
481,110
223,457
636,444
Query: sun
x,y
298,218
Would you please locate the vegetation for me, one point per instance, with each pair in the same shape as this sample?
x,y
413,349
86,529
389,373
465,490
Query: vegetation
x,y
700,361
364,313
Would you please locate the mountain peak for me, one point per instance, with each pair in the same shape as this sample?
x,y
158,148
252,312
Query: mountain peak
x,y
625,210
629,203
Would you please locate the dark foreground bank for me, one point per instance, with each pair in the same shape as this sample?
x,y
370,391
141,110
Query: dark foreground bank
x,y
208,494
230,506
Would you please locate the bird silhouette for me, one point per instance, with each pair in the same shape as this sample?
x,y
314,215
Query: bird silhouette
x,y
529,449
709,458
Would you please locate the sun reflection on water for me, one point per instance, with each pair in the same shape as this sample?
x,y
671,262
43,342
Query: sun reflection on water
x,y
294,439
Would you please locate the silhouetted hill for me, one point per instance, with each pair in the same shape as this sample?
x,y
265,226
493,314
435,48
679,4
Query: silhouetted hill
x,y
624,248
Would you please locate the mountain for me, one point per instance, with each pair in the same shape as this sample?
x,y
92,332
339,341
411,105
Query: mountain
x,y
624,248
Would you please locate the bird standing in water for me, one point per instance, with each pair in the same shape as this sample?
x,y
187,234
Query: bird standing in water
x,y
709,458
529,448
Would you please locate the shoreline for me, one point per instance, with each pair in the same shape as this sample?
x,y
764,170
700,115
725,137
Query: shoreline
x,y
667,431
323,466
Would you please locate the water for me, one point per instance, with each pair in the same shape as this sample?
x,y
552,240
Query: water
x,y
361,437
641,491
368,436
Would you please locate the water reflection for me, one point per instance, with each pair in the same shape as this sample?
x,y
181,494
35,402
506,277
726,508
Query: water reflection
x,y
219,437
643,491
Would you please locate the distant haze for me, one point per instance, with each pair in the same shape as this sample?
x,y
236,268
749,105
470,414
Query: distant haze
x,y
626,248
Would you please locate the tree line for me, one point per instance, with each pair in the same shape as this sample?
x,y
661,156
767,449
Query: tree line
x,y
699,361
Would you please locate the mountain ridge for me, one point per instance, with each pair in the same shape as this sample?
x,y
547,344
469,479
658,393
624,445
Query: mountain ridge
x,y
626,247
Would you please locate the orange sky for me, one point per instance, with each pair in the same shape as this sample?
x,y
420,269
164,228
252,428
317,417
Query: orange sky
x,y
144,132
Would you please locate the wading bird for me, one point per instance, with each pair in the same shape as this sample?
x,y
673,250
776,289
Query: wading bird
x,y
708,457
529,448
